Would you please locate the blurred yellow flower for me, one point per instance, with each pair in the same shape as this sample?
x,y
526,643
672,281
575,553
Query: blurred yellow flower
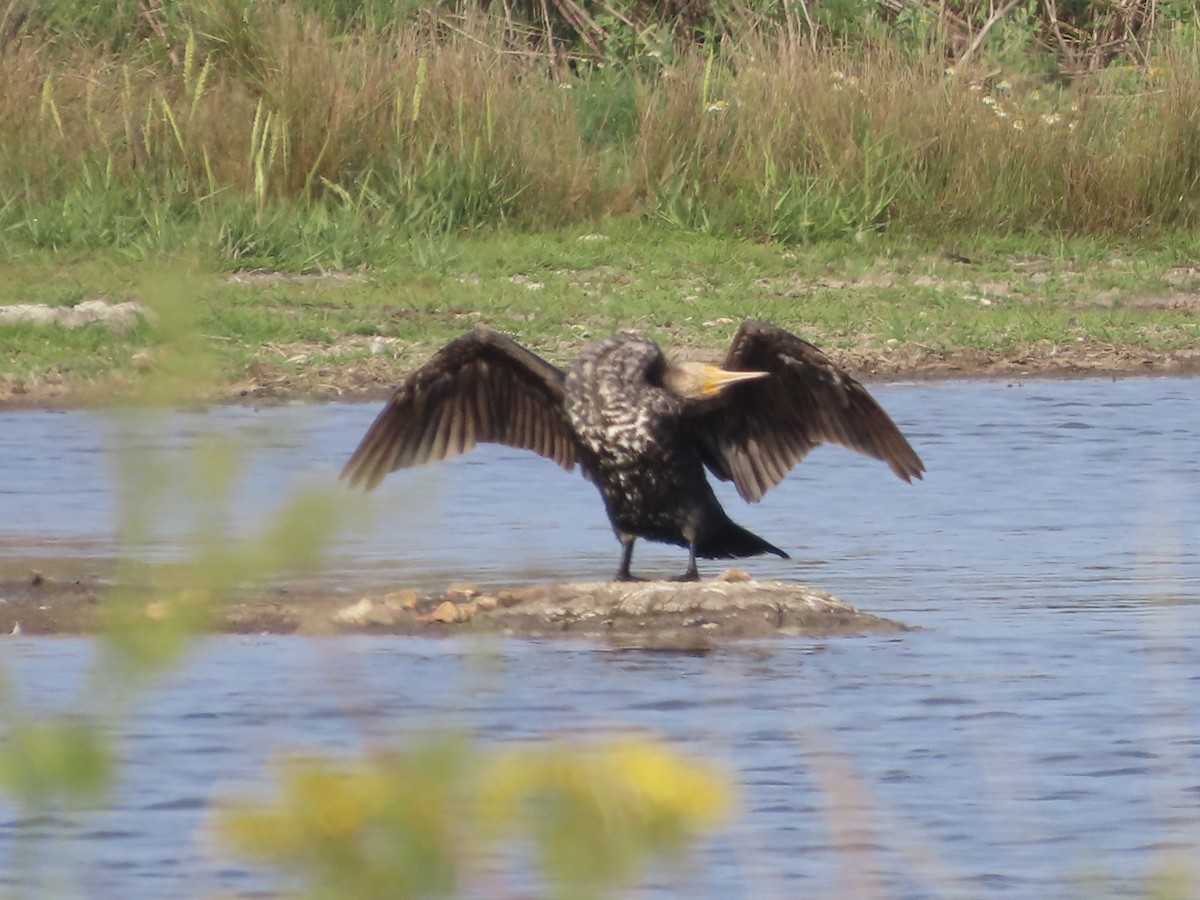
x,y
635,778
599,812
407,824
696,796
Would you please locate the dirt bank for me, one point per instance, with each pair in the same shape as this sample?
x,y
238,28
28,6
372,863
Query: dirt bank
x,y
372,377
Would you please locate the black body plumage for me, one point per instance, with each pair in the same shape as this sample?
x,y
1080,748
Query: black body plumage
x,y
642,428
636,444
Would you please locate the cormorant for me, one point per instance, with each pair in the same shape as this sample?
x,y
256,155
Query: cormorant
x,y
643,429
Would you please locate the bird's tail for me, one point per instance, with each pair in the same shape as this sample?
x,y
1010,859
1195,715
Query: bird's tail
x,y
730,540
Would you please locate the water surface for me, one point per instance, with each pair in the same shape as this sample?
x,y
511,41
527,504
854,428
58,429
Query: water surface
x,y
1041,738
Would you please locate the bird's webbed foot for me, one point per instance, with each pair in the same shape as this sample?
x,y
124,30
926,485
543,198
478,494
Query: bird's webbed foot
x,y
692,573
626,558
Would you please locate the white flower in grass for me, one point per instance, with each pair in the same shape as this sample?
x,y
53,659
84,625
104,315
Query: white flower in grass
x,y
988,101
1019,124
1005,86
1051,119
716,106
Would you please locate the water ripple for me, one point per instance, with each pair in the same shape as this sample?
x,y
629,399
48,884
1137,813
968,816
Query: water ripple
x,y
1041,731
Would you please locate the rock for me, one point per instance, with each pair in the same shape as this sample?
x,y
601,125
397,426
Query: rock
x,y
355,614
460,592
656,615
733,575
406,599
367,612
120,317
667,616
486,603
450,613
663,615
523,595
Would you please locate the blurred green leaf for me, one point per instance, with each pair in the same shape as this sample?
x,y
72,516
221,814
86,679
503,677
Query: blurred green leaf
x,y
53,762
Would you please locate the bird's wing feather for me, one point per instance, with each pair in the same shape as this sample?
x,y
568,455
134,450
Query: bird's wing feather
x,y
480,388
760,429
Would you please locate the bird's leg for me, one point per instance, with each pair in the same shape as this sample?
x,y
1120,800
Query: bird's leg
x,y
692,573
626,557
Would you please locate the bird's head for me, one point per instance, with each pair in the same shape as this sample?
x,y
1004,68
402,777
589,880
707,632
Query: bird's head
x,y
700,381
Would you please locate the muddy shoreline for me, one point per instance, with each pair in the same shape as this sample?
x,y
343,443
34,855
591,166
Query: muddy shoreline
x,y
371,379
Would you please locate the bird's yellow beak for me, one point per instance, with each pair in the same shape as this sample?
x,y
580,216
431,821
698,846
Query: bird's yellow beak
x,y
717,379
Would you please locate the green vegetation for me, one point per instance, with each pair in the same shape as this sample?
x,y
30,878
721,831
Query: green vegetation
x,y
276,136
885,305
419,823
448,169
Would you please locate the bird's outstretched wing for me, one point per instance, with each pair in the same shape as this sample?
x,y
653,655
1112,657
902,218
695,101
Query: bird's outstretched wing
x,y
760,429
481,387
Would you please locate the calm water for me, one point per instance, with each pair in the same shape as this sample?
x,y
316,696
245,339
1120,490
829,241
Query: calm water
x,y
1040,739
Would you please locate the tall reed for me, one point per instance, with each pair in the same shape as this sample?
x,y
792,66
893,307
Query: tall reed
x,y
266,133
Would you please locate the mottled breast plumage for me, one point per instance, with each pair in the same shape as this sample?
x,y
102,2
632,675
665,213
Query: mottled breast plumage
x,y
630,443
612,400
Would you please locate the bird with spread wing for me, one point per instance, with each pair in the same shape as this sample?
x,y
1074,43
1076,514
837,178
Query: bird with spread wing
x,y
642,428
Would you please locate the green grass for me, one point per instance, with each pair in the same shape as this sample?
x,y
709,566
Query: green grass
x,y
876,299
291,136
38,352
